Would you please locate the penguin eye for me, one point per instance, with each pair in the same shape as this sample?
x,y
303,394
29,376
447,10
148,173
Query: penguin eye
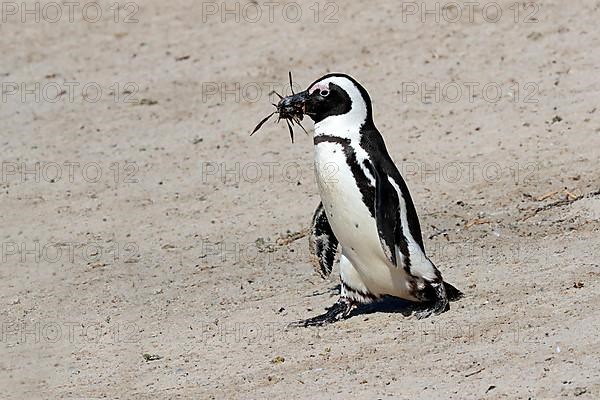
x,y
324,93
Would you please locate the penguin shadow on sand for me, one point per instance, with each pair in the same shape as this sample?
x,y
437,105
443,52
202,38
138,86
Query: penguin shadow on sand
x,y
386,305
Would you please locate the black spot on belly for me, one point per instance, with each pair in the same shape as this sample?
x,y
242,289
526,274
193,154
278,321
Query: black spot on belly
x,y
356,225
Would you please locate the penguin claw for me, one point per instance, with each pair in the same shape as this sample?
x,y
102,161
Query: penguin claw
x,y
422,314
434,307
428,311
338,311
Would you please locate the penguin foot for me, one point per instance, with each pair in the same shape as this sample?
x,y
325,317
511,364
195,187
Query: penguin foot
x,y
438,305
338,311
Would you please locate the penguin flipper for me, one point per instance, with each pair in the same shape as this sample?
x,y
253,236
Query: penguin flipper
x,y
387,216
322,243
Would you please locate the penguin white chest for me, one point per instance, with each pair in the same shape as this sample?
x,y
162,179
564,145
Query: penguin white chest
x,y
342,199
352,222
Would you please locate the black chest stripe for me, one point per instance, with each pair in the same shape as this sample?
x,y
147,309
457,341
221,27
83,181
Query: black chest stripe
x,y
366,189
331,139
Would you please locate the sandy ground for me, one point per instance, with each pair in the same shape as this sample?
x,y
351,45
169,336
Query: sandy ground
x,y
140,222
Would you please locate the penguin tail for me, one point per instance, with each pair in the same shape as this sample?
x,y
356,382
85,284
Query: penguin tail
x,y
452,292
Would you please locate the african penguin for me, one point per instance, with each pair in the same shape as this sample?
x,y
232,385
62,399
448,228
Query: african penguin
x,y
365,209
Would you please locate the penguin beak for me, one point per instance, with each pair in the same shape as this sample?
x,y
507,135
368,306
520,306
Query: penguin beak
x,y
294,102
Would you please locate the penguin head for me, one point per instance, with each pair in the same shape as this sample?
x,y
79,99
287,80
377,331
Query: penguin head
x,y
335,96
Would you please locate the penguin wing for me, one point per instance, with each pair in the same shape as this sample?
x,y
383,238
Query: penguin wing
x,y
387,216
322,243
